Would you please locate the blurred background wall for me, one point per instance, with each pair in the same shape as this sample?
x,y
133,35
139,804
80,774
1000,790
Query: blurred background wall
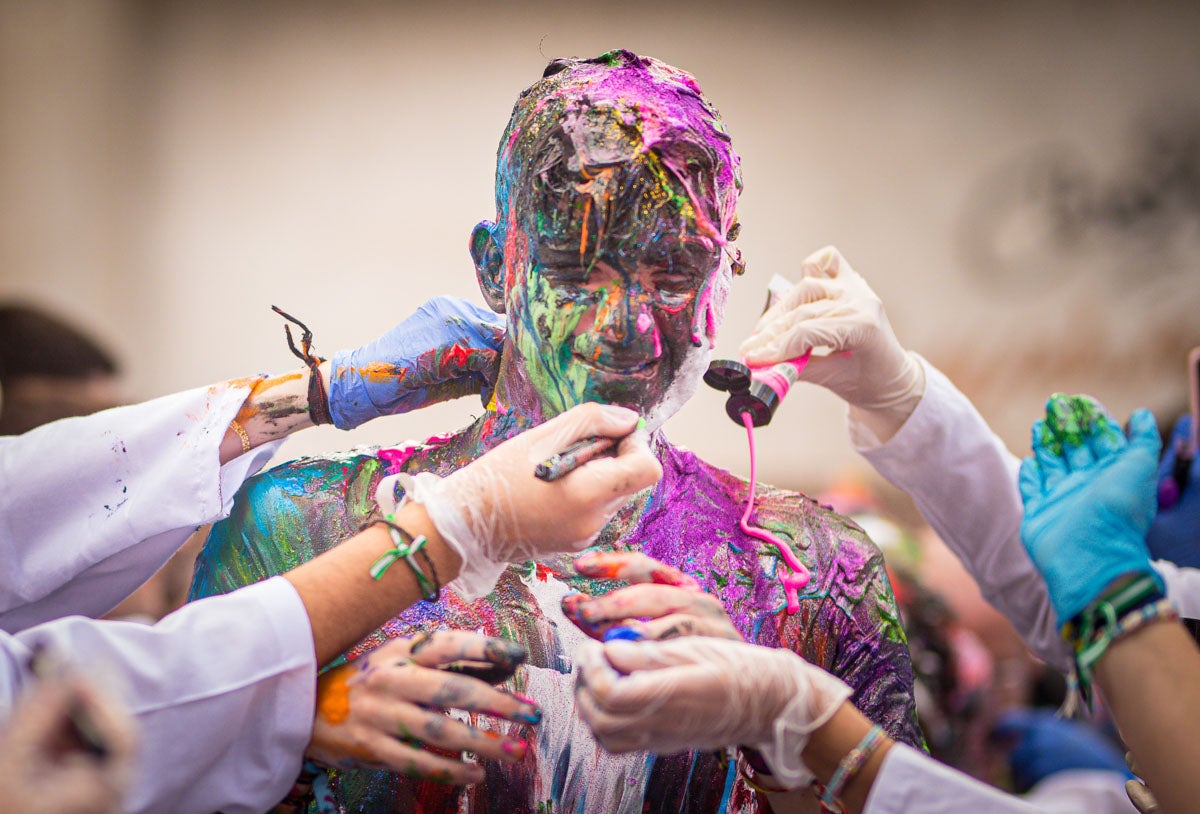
x,y
1020,182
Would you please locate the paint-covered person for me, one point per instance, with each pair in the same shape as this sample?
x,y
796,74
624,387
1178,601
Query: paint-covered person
x,y
612,256
223,690
1089,498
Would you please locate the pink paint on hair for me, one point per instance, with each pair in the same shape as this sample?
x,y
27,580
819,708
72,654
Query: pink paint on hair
x,y
793,575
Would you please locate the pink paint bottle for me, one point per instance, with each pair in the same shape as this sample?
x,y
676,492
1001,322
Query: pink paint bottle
x,y
756,391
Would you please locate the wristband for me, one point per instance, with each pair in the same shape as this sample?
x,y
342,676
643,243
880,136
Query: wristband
x,y
851,764
1114,614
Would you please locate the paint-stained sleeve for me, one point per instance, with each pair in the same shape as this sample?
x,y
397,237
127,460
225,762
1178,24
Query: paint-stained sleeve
x,y
92,506
964,482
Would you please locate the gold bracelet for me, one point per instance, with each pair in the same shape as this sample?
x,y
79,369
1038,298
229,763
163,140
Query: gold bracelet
x,y
242,434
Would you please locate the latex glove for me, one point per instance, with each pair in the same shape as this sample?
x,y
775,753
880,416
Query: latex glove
x,y
833,307
45,773
705,693
447,349
673,602
1089,499
1044,744
384,708
1175,533
494,511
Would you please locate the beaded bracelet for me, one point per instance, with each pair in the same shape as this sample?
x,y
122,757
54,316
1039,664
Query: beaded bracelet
x,y
850,765
1114,614
405,547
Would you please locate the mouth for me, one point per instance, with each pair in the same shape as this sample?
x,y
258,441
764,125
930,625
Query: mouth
x,y
643,369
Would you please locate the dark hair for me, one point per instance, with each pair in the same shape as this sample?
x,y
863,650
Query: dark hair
x,y
33,343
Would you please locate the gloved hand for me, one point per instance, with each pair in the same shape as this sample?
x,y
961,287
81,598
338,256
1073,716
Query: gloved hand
x,y
703,693
447,349
833,307
494,511
1175,533
1089,499
1044,744
384,708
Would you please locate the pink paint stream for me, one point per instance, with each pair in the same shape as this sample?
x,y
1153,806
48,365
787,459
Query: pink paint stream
x,y
793,575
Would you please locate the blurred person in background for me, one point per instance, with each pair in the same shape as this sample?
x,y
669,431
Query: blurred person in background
x,y
51,370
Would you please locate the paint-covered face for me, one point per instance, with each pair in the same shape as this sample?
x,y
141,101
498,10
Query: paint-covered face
x,y
612,254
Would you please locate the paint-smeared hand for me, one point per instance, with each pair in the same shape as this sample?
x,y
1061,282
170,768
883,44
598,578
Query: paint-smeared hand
x,y
495,511
46,769
832,307
385,709
701,693
672,603
447,349
1089,497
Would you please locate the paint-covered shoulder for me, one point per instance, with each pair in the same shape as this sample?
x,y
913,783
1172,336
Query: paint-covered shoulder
x,y
284,517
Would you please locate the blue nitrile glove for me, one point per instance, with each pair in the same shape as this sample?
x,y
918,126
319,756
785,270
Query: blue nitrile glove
x,y
1089,499
1045,744
447,349
1175,533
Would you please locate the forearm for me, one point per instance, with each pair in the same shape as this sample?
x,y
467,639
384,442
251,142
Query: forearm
x,y
344,602
964,482
1151,682
276,407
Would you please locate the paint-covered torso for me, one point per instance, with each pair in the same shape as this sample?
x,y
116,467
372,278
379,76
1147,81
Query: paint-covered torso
x,y
847,621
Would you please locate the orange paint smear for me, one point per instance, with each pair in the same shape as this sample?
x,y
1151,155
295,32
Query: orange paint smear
x,y
333,696
377,372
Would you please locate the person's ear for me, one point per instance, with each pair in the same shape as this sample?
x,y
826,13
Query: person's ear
x,y
489,264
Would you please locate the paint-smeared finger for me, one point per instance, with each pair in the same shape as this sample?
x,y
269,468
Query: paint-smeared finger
x,y
652,601
419,726
632,566
678,625
444,690
1047,452
445,647
423,765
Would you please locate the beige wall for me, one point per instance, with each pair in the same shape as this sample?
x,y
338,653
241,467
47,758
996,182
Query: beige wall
x,y
168,171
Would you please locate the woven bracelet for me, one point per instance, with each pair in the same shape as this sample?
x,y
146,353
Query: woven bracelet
x,y
405,547
850,765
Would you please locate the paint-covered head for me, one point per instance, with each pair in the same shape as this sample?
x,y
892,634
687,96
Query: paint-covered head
x,y
616,195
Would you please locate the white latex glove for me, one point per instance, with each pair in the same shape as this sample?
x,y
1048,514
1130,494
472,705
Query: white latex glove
x,y
495,511
704,693
833,307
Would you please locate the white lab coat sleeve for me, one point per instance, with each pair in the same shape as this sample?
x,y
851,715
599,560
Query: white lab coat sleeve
x,y
910,781
91,507
964,482
1183,587
223,691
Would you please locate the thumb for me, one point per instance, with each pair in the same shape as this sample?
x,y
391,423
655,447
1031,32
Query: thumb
x,y
581,421
629,657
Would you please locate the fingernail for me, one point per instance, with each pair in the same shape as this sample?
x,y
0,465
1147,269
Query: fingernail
x,y
623,633
516,748
529,715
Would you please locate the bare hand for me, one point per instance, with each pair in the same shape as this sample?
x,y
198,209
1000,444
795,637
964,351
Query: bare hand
x,y
673,601
44,769
375,711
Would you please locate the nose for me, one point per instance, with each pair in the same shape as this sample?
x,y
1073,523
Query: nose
x,y
624,314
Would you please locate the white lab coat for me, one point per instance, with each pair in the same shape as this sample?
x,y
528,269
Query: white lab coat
x,y
964,481
222,689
